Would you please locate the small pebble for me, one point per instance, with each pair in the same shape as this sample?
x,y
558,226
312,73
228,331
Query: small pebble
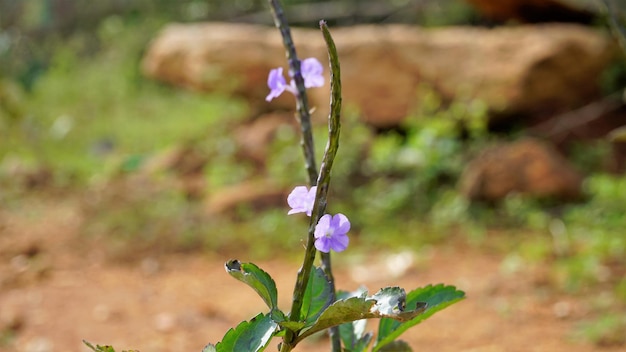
x,y
562,309
164,322
39,344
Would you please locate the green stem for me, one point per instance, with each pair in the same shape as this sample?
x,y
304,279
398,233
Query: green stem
x,y
308,149
323,179
334,128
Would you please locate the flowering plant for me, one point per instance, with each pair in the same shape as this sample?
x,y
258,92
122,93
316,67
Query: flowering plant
x,y
316,306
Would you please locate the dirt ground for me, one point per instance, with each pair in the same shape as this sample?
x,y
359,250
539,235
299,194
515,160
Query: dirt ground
x,y
57,288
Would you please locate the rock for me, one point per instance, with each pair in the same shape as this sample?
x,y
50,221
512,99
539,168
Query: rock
x,y
187,162
514,70
165,322
527,166
254,138
591,122
38,344
255,194
183,160
11,320
532,11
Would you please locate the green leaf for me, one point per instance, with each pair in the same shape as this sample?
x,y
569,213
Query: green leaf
x,y
391,303
292,325
342,311
256,278
249,336
396,346
363,342
384,304
352,334
105,348
99,348
353,337
318,296
436,297
209,348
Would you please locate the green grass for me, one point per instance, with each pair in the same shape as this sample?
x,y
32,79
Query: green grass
x,y
84,103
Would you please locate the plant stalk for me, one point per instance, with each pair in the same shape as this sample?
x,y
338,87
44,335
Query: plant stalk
x,y
302,102
323,179
308,149
334,129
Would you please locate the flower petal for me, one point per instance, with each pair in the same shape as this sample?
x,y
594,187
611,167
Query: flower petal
x,y
322,226
312,72
276,82
343,224
339,242
323,244
301,200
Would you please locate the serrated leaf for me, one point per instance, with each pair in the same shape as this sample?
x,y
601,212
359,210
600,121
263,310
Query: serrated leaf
x,y
356,308
99,348
352,334
363,342
278,316
249,336
391,303
437,298
390,300
318,296
256,278
105,348
358,345
342,311
396,346
209,348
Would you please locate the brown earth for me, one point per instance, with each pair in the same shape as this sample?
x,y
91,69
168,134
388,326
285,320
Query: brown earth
x,y
58,288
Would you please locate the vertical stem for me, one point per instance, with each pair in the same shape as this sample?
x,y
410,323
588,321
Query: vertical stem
x,y
323,179
334,128
302,102
308,149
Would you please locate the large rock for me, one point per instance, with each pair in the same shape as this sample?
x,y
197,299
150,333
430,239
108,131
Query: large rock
x,y
514,70
528,167
533,11
257,195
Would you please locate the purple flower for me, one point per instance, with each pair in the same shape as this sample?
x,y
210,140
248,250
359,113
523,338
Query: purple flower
x,y
301,200
312,73
276,82
330,233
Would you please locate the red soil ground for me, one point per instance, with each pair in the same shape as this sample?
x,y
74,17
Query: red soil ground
x,y
58,288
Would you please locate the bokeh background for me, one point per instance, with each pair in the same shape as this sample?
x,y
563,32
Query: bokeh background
x,y
493,128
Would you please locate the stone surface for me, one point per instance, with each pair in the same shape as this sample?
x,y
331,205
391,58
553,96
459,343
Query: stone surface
x,y
255,194
514,70
254,138
527,166
533,11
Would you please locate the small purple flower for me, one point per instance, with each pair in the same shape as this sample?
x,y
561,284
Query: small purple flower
x,y
276,82
312,73
301,200
330,233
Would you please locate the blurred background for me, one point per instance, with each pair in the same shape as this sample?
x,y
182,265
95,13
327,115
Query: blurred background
x,y
493,127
